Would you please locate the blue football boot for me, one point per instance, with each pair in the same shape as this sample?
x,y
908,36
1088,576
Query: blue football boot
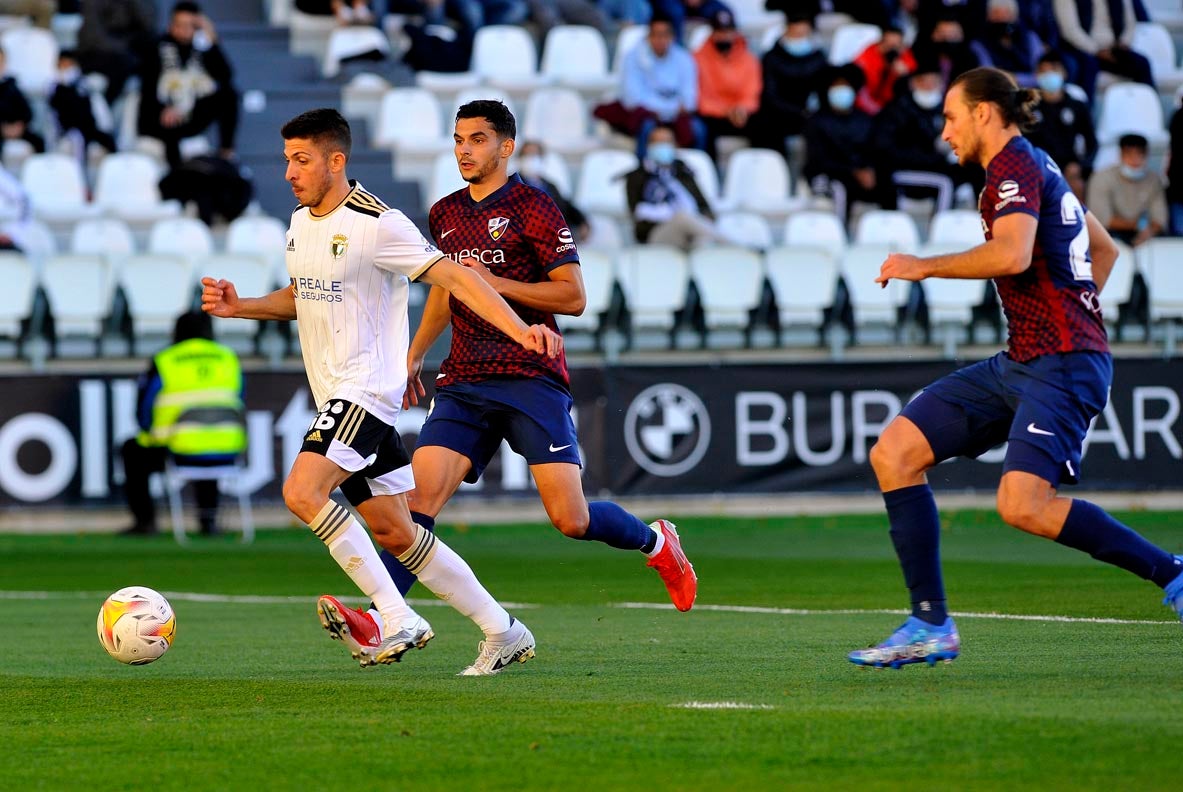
x,y
1174,592
916,641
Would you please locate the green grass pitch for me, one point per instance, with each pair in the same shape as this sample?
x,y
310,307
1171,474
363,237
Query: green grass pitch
x,y
254,696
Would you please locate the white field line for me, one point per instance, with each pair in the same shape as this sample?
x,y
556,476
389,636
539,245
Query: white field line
x,y
885,611
253,599
721,705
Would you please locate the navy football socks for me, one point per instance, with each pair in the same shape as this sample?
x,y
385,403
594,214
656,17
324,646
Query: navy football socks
x,y
1091,530
612,525
916,534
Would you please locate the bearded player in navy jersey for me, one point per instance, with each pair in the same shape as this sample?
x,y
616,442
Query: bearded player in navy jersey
x,y
1049,258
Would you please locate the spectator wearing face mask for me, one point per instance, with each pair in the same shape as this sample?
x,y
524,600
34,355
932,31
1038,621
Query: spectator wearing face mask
x,y
531,168
1064,127
1127,198
946,45
839,156
883,64
1006,43
789,74
667,206
1096,35
72,104
908,140
728,82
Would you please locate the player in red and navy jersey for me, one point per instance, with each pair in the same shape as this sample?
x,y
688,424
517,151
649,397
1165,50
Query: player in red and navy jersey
x,y
487,391
1049,258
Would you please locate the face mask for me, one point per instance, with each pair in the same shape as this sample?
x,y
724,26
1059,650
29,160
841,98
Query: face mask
x,y
531,166
662,153
68,75
798,47
841,97
1050,81
928,100
1133,174
891,55
724,47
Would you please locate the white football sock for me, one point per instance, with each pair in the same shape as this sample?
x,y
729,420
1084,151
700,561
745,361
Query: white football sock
x,y
447,576
350,546
660,543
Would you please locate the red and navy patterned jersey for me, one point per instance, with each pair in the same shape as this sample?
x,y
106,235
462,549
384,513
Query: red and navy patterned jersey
x,y
1052,306
518,233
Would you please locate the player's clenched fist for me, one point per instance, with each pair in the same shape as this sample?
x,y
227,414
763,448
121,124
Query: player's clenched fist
x,y
902,266
218,297
540,338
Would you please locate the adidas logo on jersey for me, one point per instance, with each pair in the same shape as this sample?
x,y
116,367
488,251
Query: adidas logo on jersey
x,y
292,245
313,437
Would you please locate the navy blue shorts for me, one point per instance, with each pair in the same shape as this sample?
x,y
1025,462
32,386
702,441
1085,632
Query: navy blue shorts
x,y
1041,408
532,413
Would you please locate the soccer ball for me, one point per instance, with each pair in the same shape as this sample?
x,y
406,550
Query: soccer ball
x,y
136,625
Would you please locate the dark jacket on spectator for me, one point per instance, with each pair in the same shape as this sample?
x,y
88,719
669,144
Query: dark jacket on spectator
x,y
634,187
1061,126
906,135
788,83
836,144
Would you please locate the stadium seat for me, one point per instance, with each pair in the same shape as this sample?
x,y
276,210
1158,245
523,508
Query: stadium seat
x,y
606,233
1107,156
182,236
32,59
445,83
36,239
654,279
730,284
1131,107
105,236
158,288
804,282
851,39
705,174
951,301
177,475
816,229
127,187
410,123
696,36
558,117
957,226
445,179
599,275
890,227
601,182
626,39
874,307
758,180
751,16
504,56
351,41
308,34
252,275
577,56
57,188
1154,41
1161,259
746,229
554,167
1120,285
19,277
260,235
79,288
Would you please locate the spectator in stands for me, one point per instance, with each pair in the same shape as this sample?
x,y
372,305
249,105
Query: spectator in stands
x,y
970,14
908,140
195,373
666,203
1175,173
187,85
948,47
71,103
1005,42
346,12
16,114
659,84
1065,125
678,11
16,213
728,82
40,11
883,63
475,14
549,13
790,72
627,12
839,155
1127,198
1096,35
114,37
531,170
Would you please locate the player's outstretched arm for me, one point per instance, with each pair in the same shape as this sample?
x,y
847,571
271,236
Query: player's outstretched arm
x,y
1102,251
220,298
562,294
436,315
1008,253
470,289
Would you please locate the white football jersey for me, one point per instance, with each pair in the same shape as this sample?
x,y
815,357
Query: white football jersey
x,y
350,272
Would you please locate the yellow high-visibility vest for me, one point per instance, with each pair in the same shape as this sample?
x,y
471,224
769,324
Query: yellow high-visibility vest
x,y
198,410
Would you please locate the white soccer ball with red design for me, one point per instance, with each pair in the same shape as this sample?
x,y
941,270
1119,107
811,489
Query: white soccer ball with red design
x,y
136,625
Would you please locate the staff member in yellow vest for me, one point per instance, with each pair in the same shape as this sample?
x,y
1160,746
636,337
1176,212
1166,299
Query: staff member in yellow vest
x,y
189,404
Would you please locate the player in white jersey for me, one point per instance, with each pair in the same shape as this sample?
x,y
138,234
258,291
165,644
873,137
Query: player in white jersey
x,y
350,259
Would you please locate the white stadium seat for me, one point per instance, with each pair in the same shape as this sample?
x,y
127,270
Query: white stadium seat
x,y
558,117
1131,107
730,284
890,227
260,235
1154,41
445,179
32,59
758,180
1120,285
106,236
746,229
127,186
182,236
56,187
816,229
598,269
626,39
957,226
252,275
504,56
554,167
79,289
851,39
411,118
705,174
1160,259
654,279
158,288
351,41
601,182
576,56
19,277
804,282
873,305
